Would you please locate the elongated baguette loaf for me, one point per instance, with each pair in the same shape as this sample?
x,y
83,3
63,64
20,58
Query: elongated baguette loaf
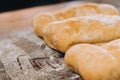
x,y
114,48
41,20
61,35
92,62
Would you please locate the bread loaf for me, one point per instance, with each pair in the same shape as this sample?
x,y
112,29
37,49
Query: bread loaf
x,y
42,19
92,62
61,35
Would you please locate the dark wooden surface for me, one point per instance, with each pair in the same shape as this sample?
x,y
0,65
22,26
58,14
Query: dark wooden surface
x,y
23,55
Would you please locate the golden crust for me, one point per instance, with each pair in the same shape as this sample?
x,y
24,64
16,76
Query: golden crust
x,y
41,20
114,48
92,62
61,35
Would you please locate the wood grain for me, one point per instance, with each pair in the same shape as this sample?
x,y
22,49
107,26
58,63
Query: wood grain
x,y
26,57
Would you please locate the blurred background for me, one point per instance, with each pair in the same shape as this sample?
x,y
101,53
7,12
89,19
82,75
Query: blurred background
x,y
7,5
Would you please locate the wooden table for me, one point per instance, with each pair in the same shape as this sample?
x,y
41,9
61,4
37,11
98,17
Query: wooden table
x,y
23,55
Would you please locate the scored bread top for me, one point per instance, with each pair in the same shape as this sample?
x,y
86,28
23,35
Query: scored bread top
x,y
86,9
42,19
61,35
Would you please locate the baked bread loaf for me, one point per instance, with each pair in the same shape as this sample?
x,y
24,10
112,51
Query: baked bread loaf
x,y
41,20
114,48
92,62
61,35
